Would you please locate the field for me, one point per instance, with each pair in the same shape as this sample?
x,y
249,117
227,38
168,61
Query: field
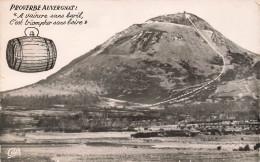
x,y
119,146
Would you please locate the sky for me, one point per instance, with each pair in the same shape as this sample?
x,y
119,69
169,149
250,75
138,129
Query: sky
x,y
238,20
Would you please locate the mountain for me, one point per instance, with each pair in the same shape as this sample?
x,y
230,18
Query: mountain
x,y
167,58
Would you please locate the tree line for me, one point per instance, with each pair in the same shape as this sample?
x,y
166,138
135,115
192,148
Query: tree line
x,y
45,100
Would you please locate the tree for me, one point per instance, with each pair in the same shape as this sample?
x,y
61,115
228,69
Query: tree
x,y
246,148
257,146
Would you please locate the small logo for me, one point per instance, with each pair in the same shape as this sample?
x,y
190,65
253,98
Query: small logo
x,y
13,152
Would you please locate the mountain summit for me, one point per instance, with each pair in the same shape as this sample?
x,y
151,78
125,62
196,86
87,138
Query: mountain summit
x,y
167,58
181,19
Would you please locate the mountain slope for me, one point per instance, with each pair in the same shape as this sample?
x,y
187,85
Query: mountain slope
x,y
162,58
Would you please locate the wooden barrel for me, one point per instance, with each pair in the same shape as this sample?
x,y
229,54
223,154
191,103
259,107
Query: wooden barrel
x,y
31,54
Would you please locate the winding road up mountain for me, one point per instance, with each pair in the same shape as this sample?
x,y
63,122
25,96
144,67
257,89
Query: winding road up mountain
x,y
197,90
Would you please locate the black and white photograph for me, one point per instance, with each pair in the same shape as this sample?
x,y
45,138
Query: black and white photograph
x,y
130,80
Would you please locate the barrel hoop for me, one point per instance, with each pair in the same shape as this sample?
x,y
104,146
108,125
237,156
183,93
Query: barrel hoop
x,y
48,51
15,57
15,63
10,53
54,54
21,54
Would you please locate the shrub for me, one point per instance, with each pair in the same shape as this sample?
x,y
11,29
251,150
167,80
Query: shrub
x,y
246,148
219,147
257,146
240,149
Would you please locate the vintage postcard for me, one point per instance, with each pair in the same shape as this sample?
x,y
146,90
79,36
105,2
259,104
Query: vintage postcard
x,y
131,80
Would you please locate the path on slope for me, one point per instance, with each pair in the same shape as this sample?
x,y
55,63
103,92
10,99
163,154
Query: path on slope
x,y
197,90
189,94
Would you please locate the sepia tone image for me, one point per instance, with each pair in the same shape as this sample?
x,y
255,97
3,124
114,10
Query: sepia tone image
x,y
167,86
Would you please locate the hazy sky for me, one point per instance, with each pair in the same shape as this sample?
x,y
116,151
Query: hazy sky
x,y
238,20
